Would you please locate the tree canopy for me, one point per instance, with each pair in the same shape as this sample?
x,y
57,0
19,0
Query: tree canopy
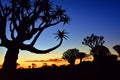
x,y
93,41
117,49
26,20
72,54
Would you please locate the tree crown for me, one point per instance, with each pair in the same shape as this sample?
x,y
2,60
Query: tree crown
x,y
26,20
93,41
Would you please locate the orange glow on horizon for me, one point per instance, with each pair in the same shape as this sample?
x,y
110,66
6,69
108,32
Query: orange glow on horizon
x,y
40,63
50,62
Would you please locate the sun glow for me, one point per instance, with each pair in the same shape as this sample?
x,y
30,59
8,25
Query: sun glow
x,y
49,62
41,63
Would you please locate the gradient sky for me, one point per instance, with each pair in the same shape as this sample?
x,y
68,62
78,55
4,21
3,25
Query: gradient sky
x,y
101,17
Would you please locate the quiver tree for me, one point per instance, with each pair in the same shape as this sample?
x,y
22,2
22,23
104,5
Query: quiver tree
x,y
70,55
34,65
93,41
100,53
26,20
117,49
81,55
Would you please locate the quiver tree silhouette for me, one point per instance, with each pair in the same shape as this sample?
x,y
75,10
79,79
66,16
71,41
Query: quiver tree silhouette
x,y
93,41
100,53
26,20
29,67
81,55
70,55
34,65
117,49
96,44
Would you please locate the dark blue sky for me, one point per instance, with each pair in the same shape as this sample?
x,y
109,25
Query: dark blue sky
x,y
101,17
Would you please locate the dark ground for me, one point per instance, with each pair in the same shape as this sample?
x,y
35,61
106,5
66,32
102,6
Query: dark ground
x,y
83,71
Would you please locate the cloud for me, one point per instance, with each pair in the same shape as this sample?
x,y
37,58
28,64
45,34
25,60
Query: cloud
x,y
50,60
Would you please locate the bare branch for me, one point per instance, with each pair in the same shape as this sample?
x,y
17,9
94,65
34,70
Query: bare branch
x,y
34,31
40,29
52,24
3,28
1,7
41,24
35,39
37,51
12,32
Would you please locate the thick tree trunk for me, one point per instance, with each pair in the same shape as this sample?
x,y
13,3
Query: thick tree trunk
x,y
9,65
80,60
71,61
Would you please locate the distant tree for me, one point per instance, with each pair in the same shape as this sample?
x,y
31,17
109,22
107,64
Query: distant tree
x,y
29,67
54,65
100,53
70,55
117,49
26,20
81,55
34,65
101,50
93,41
96,44
45,64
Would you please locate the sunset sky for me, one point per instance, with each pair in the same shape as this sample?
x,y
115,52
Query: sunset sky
x,y
101,17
